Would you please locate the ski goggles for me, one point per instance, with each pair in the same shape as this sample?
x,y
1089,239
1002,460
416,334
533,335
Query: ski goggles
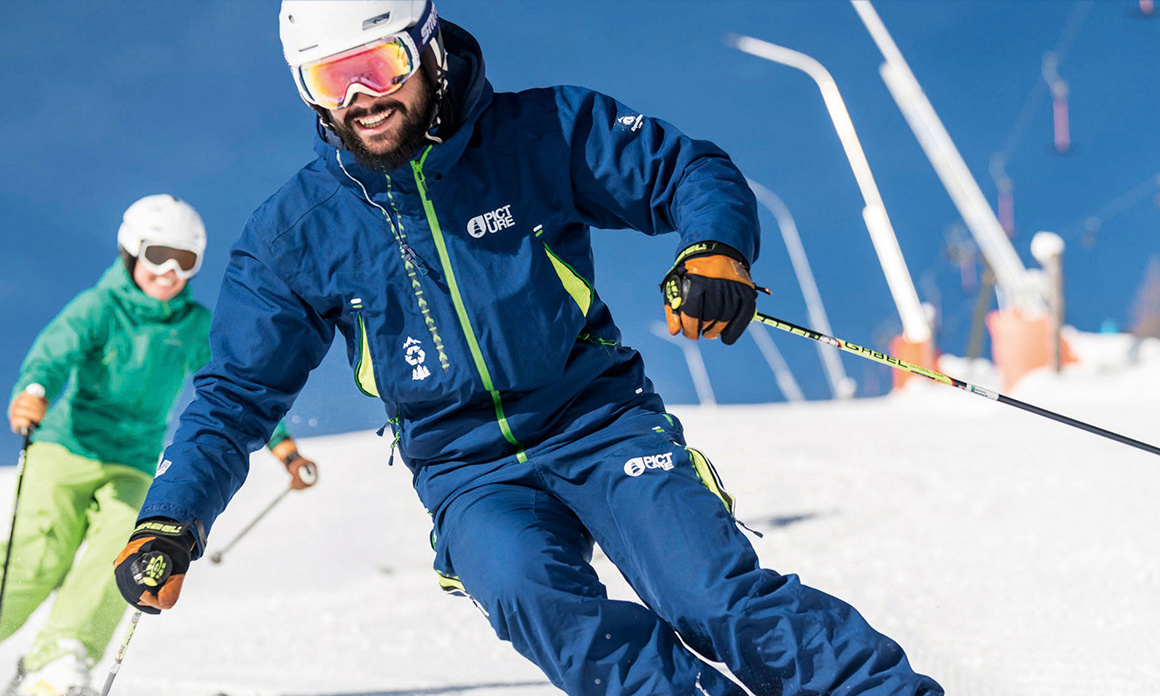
x,y
159,259
377,68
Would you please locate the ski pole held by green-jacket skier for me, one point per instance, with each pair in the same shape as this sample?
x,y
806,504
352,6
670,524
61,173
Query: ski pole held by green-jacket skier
x,y
109,369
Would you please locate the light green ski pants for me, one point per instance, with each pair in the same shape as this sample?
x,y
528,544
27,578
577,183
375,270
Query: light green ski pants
x,y
67,500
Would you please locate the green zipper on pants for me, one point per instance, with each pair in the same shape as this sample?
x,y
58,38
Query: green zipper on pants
x,y
461,310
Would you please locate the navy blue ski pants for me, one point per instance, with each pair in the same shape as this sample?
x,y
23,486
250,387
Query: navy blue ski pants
x,y
519,537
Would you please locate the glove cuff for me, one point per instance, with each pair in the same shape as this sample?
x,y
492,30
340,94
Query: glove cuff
x,y
193,533
710,248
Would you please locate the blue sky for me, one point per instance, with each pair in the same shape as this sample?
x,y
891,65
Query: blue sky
x,y
107,102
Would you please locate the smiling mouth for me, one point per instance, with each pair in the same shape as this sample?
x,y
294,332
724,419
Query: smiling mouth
x,y
374,120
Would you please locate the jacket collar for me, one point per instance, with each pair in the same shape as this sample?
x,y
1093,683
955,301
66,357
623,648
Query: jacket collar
x,y
469,94
117,281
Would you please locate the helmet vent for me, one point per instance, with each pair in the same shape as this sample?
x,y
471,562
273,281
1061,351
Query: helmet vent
x,y
373,21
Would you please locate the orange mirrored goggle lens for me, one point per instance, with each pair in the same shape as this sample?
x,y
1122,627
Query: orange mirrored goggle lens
x,y
380,68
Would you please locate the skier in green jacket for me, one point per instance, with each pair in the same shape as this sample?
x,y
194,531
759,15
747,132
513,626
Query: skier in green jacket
x,y
114,361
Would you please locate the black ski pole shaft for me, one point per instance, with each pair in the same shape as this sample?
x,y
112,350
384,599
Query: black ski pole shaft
x,y
35,390
216,557
116,667
898,364
15,507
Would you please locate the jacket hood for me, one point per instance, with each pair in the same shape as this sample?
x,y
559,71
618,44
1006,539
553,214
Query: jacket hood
x,y
468,93
465,77
117,281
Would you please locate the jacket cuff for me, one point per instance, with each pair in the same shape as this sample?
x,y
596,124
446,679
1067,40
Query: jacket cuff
x,y
711,248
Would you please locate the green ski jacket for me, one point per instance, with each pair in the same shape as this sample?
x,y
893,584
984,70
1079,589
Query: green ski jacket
x,y
118,360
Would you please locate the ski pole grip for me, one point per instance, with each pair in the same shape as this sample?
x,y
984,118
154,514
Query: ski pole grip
x,y
37,390
308,474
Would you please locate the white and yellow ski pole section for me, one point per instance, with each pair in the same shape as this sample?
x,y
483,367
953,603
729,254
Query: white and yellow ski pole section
x,y
121,653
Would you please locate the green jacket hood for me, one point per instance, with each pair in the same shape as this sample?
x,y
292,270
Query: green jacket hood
x,y
119,283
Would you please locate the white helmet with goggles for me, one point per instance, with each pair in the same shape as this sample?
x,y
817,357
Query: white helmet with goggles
x,y
163,233
338,48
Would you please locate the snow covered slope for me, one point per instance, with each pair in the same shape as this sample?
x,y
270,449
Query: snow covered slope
x,y
1009,554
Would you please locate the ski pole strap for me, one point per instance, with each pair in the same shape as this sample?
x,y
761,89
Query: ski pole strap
x,y
899,364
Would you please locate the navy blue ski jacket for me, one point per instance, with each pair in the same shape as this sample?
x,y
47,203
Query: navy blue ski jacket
x,y
462,282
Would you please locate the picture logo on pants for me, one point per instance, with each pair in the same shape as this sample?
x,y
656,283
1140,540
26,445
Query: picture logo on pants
x,y
496,220
638,465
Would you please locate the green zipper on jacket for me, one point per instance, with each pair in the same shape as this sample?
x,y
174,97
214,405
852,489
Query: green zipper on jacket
x,y
460,309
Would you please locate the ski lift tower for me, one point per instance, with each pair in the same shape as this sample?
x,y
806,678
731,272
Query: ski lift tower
x,y
1021,321
916,344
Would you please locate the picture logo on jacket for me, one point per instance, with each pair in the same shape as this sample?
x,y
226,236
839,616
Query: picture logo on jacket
x,y
633,123
496,220
638,465
414,355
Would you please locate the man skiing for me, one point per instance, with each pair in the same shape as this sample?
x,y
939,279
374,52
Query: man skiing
x,y
113,361
443,230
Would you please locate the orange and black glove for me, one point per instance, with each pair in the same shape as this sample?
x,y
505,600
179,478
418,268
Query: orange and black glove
x,y
708,292
152,566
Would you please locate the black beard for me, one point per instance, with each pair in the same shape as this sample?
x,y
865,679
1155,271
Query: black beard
x,y
412,133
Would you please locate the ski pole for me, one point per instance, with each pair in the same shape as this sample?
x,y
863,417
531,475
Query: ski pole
x,y
37,391
121,653
950,381
216,557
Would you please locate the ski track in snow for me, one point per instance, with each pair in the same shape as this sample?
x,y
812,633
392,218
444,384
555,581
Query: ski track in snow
x,y
1008,554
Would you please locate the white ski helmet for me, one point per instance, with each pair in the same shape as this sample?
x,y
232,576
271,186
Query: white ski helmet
x,y
315,29
166,221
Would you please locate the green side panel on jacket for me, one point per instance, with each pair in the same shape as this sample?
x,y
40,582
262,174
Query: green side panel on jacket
x,y
580,289
364,370
576,286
